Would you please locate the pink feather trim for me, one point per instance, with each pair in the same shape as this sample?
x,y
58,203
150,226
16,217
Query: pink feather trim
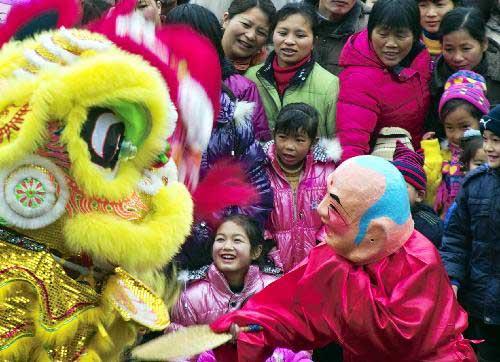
x,y
173,39
224,185
69,14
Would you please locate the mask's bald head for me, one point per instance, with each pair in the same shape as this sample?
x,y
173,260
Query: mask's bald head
x,y
366,210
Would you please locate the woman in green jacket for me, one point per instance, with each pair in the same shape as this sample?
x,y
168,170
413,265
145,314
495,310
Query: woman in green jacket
x,y
290,74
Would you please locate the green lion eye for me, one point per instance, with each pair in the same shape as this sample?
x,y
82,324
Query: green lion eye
x,y
136,120
115,131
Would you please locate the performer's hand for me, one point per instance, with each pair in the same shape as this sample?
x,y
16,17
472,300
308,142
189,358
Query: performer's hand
x,y
428,135
455,290
235,331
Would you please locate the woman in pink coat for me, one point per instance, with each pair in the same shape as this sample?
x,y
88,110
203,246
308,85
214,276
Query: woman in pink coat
x,y
385,82
229,281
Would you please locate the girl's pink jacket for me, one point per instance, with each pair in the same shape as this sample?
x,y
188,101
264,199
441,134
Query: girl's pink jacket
x,y
294,222
207,299
210,297
372,96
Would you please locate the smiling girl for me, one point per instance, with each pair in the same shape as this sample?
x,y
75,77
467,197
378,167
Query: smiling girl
x,y
290,73
232,278
461,107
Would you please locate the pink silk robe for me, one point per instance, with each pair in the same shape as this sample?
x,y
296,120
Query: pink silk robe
x,y
400,308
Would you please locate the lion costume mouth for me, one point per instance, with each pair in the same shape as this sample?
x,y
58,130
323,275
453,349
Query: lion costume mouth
x,y
153,240
37,191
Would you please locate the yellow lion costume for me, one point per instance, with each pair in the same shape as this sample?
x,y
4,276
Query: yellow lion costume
x,y
87,218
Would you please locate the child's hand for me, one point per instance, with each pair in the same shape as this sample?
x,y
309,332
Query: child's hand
x,y
428,136
235,331
455,290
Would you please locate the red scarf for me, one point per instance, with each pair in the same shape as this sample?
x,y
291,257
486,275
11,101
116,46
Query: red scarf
x,y
283,75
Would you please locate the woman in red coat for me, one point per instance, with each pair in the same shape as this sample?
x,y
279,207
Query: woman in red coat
x,y
385,81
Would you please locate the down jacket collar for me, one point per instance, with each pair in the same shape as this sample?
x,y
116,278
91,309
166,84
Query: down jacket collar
x,y
325,150
299,78
219,282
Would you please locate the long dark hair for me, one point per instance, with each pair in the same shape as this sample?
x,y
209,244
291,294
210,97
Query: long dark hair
x,y
304,9
204,22
240,6
468,19
396,14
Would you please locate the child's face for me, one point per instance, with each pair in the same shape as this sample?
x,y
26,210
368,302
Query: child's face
x,y
491,146
232,252
414,194
478,159
461,51
293,40
457,122
432,12
292,149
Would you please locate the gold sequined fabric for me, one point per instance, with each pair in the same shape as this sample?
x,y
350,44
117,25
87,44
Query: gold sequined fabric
x,y
41,293
51,236
75,348
15,316
135,301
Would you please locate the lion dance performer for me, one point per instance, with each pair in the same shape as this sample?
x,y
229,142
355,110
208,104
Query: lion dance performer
x,y
376,286
88,218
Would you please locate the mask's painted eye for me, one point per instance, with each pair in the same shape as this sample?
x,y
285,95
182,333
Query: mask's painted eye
x,y
104,133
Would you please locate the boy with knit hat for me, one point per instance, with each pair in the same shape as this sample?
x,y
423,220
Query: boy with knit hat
x,y
411,166
471,244
461,107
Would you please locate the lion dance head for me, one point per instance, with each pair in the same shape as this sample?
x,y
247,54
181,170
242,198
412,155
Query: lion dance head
x,y
85,115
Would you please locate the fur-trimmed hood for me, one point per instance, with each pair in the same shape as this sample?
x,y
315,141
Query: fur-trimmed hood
x,y
324,150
